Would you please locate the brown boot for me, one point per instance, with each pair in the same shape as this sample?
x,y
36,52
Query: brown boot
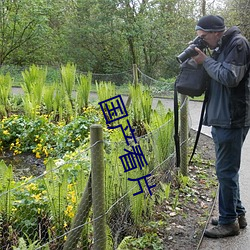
x,y
221,231
241,219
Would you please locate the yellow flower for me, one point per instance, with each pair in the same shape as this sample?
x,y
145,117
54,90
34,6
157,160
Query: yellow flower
x,y
31,187
45,151
17,152
73,199
6,132
38,155
14,209
37,196
69,211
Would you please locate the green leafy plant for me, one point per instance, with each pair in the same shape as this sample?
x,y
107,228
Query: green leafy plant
x,y
6,184
48,98
147,241
68,74
83,91
105,90
164,193
176,199
5,90
22,245
30,208
141,103
161,128
34,81
183,180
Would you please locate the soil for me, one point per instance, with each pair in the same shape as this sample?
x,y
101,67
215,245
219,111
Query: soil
x,y
187,222
25,164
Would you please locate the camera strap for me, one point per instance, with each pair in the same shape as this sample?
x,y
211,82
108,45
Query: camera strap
x,y
176,126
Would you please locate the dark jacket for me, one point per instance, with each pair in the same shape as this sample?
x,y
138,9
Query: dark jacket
x,y
228,103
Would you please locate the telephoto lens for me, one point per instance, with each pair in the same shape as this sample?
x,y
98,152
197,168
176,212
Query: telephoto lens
x,y
190,50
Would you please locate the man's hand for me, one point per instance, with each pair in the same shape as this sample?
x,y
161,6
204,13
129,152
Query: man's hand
x,y
200,58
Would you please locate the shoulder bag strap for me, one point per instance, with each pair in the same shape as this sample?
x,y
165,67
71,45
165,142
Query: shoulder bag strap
x,y
176,126
199,127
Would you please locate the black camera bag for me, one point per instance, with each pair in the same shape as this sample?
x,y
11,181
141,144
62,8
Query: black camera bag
x,y
192,79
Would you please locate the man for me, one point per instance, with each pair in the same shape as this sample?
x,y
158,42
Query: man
x,y
228,112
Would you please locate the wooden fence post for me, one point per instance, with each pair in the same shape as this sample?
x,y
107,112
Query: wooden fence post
x,y
135,74
135,82
184,135
98,194
80,218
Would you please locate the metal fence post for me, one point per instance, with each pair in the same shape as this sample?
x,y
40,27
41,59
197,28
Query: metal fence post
x,y
98,194
184,135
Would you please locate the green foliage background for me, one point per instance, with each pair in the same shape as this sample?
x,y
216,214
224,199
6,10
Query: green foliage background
x,y
106,36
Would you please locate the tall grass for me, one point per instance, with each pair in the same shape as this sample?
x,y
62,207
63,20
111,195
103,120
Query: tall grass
x,y
105,90
33,86
141,103
161,129
5,90
83,91
48,98
6,184
68,74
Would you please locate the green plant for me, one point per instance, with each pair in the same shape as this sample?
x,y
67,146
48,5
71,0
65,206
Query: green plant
x,y
34,81
176,199
29,245
6,196
146,102
30,208
68,74
62,104
164,192
140,108
56,187
147,241
135,92
184,181
160,131
48,98
105,90
141,103
83,91
5,90
42,136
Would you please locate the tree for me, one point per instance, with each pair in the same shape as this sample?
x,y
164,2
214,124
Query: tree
x,y
237,13
21,21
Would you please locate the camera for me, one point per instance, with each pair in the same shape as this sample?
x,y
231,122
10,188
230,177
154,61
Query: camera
x,y
190,51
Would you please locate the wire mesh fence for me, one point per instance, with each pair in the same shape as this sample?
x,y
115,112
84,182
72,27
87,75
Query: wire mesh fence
x,y
60,208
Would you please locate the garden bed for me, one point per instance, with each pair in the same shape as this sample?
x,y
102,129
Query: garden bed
x,y
187,222
178,220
